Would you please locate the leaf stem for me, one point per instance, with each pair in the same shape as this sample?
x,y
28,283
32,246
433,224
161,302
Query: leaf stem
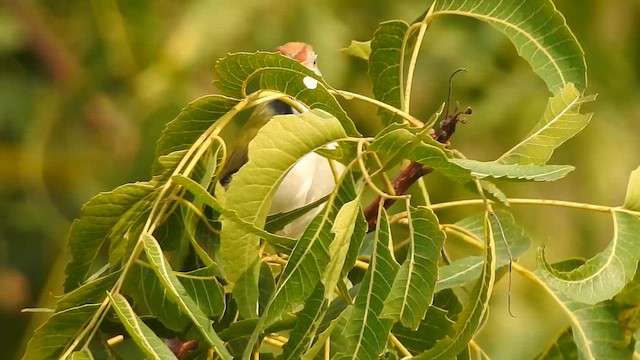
x,y
349,95
406,104
400,346
545,202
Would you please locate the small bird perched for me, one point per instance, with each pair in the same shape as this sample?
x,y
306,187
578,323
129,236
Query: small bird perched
x,y
311,178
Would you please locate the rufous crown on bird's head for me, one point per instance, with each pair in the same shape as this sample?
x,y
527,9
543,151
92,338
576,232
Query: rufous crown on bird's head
x,y
302,52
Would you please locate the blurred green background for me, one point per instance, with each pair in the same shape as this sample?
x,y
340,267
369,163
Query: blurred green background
x,y
86,87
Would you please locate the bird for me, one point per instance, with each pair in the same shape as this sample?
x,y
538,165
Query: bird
x,y
310,179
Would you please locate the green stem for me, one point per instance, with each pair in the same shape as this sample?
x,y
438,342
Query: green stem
x,y
545,202
349,96
406,104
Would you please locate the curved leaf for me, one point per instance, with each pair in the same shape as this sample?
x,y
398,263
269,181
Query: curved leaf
x,y
275,149
141,334
308,260
413,287
605,274
560,122
597,333
278,73
177,293
343,227
365,332
470,319
307,324
96,226
359,49
385,67
538,32
181,132
51,339
492,169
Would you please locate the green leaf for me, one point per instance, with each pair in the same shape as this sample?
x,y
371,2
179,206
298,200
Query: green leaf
x,y
201,194
310,256
343,227
177,293
307,324
90,292
632,198
365,333
180,133
413,287
435,326
560,122
278,221
563,347
596,330
605,274
143,336
151,298
538,32
385,67
82,355
495,170
51,339
205,290
470,319
359,49
463,270
275,149
106,216
278,73
396,139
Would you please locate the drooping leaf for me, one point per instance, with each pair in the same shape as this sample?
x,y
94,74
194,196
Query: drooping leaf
x,y
177,292
275,149
470,319
632,198
385,67
51,339
560,122
413,287
343,227
307,324
495,170
605,274
143,336
180,133
597,334
538,32
106,216
310,255
272,71
365,333
359,49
